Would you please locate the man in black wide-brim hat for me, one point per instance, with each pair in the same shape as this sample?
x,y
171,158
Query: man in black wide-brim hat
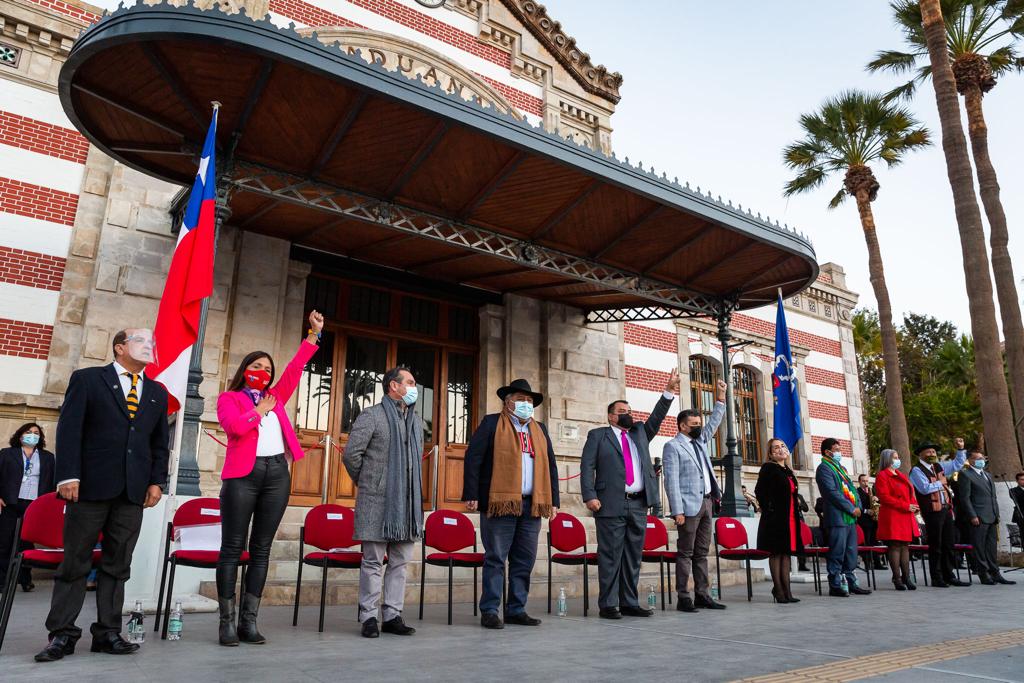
x,y
510,476
936,500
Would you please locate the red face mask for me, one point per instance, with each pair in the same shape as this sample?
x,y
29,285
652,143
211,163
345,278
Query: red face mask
x,y
257,379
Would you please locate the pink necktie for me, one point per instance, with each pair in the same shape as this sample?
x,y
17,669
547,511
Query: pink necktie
x,y
627,456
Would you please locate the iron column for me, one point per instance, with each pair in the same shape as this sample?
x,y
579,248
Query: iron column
x,y
733,503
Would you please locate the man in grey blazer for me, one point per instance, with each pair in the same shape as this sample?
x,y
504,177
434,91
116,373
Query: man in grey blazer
x,y
978,502
618,485
383,456
691,488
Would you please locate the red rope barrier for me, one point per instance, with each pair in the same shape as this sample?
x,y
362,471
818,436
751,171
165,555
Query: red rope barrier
x,y
207,431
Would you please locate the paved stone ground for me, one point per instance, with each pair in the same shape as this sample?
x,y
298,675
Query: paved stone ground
x,y
746,640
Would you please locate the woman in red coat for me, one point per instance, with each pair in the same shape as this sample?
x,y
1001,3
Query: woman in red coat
x,y
897,524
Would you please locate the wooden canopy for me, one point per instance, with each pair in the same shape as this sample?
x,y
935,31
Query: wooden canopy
x,y
332,153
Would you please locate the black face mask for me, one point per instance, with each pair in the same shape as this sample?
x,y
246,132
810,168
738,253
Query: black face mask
x,y
625,420
695,432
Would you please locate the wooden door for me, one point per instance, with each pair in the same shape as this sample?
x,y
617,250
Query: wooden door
x,y
423,361
459,371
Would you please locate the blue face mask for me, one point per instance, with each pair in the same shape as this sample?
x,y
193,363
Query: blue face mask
x,y
411,394
523,410
896,462
30,439
979,464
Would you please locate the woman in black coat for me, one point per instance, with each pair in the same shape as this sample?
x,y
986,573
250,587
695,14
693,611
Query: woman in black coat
x,y
778,532
26,472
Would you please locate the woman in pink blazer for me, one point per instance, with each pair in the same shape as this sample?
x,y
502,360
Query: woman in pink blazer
x,y
256,480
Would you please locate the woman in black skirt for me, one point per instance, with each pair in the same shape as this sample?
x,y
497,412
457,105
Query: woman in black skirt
x,y
779,529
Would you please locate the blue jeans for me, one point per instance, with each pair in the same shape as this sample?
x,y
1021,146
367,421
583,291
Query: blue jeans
x,y
842,555
513,539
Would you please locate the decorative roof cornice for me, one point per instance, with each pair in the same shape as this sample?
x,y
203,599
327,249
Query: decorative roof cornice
x,y
594,79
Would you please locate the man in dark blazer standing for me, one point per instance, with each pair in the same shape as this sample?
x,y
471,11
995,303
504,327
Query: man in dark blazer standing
x,y
112,455
979,504
618,485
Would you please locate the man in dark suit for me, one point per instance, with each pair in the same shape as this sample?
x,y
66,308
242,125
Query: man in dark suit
x,y
978,501
510,476
869,520
618,485
111,463
1017,496
26,472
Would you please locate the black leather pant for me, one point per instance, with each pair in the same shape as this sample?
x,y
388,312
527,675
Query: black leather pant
x,y
260,497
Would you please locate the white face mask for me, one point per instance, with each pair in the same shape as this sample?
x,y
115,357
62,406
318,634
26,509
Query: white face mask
x,y
141,346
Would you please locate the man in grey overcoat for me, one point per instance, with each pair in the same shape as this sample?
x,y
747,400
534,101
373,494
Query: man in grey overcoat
x,y
383,456
978,503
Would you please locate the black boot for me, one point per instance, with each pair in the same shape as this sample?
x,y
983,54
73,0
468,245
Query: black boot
x,y
228,633
247,631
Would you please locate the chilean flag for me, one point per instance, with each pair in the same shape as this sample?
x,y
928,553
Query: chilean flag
x,y
189,281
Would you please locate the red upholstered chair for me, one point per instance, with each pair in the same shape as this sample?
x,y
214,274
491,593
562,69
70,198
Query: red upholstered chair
x,y
731,543
450,532
867,553
656,549
815,551
967,549
919,551
41,525
328,528
195,512
568,537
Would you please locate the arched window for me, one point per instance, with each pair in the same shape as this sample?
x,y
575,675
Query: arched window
x,y
748,416
703,378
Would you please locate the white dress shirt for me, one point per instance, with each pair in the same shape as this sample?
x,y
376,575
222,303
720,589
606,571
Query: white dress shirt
x,y
527,458
638,473
271,440
30,482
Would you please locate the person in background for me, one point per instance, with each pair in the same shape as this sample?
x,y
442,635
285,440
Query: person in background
x,y
929,478
26,472
778,531
751,499
1017,496
869,520
383,452
981,508
897,522
802,508
841,510
510,476
256,481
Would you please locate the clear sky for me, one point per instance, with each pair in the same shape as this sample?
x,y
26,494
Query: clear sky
x,y
712,93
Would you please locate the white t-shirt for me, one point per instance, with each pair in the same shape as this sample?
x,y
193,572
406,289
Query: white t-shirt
x,y
271,440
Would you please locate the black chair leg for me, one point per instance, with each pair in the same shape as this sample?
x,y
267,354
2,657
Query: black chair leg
x,y
450,572
474,593
586,588
718,574
661,580
160,597
750,585
8,598
323,594
549,585
298,591
167,605
423,581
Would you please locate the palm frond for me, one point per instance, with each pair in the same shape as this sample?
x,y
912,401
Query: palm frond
x,y
894,61
838,199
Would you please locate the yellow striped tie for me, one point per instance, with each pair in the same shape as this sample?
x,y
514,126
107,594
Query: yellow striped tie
x,y
133,395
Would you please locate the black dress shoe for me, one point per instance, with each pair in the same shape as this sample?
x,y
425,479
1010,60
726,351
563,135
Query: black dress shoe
x,y
522,619
491,620
911,586
59,647
610,613
985,580
685,605
837,592
939,584
28,587
999,578
957,582
707,603
857,590
628,611
113,644
899,585
369,628
397,627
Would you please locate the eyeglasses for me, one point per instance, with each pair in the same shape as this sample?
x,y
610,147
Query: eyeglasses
x,y
148,341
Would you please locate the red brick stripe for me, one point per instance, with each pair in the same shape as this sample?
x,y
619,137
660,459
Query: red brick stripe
x,y
517,98
45,138
814,342
844,445
643,378
24,340
668,425
825,378
828,411
32,269
650,338
36,201
309,15
69,10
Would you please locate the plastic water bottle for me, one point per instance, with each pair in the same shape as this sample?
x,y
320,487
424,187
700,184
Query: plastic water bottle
x,y
136,627
652,598
843,584
714,588
174,624
563,608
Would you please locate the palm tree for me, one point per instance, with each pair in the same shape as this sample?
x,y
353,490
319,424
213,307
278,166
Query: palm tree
x,y
995,400
980,42
849,132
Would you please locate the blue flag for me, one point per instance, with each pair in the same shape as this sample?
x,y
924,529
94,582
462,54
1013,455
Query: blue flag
x,y
787,398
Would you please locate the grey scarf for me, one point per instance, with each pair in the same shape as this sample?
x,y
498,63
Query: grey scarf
x,y
403,514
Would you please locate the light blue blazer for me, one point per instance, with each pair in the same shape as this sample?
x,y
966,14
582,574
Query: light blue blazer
x,y
684,483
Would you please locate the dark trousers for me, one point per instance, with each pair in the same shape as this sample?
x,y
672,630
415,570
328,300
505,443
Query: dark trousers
x,y
120,521
513,539
842,555
9,545
941,560
260,497
983,538
620,547
692,553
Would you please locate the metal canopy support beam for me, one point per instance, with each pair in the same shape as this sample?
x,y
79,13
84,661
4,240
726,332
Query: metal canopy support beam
x,y
340,202
337,134
625,315
627,231
558,216
688,242
733,503
267,207
258,86
725,261
442,259
150,118
541,287
180,150
416,160
487,190
174,83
